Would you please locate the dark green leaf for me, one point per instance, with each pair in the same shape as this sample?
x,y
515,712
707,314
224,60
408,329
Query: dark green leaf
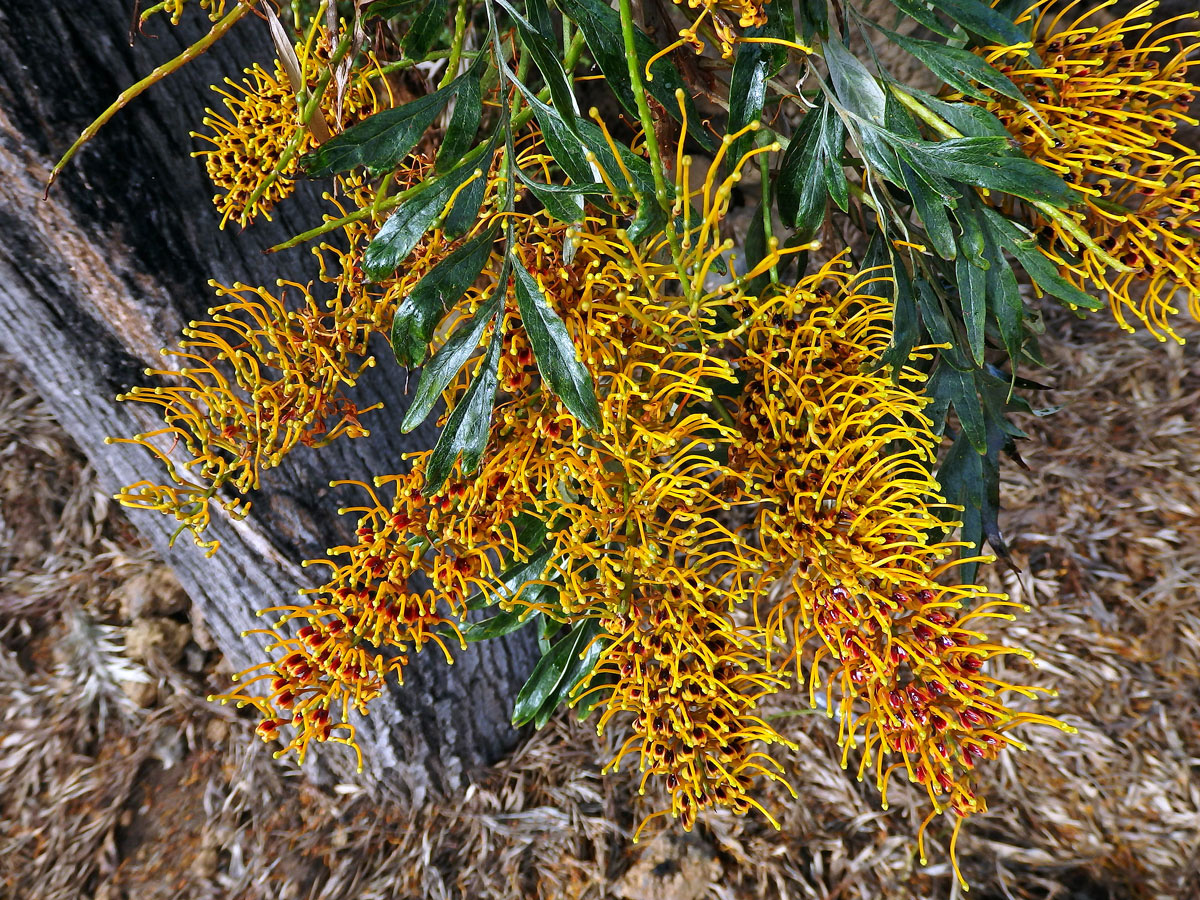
x,y
961,479
939,329
979,18
499,625
555,352
1004,300
415,216
932,209
948,383
897,118
972,242
601,27
1033,261
565,144
466,430
960,69
972,293
419,313
545,56
425,28
564,202
578,672
381,141
464,123
384,8
747,92
906,327
991,163
833,143
971,274
465,211
918,11
538,13
781,23
857,89
450,357
513,581
969,118
554,676
801,185
813,19
756,251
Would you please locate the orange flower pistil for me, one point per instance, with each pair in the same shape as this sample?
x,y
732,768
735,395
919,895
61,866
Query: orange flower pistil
x,y
404,583
723,16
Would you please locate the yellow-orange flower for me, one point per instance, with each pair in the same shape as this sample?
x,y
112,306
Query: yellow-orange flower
x,y
257,143
215,9
257,380
360,625
839,453
1103,105
723,15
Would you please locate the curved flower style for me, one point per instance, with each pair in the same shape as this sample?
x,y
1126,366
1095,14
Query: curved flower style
x,y
257,381
215,9
387,594
723,14
256,145
1103,106
839,454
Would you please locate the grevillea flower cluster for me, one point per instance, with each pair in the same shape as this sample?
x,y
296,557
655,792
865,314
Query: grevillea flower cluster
x,y
722,18
852,588
1103,100
703,461
256,143
255,381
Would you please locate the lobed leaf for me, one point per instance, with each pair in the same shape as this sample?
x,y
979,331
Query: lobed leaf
x,y
465,121
960,69
1039,267
380,141
416,215
450,357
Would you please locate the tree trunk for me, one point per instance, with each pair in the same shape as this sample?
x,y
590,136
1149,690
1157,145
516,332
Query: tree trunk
x,y
99,277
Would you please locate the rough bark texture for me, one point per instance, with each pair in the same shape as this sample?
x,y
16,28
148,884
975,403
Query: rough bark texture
x,y
94,281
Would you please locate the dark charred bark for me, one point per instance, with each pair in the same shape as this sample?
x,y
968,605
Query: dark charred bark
x,y
99,277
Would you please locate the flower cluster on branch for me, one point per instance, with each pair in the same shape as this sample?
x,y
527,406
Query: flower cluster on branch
x,y
716,467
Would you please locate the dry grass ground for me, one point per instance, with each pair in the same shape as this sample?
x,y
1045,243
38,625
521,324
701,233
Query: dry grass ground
x,y
117,780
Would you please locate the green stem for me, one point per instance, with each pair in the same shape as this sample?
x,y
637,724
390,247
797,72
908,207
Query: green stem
x,y
218,31
1060,216
764,168
460,34
522,75
401,64
574,51
654,151
639,94
310,108
382,193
